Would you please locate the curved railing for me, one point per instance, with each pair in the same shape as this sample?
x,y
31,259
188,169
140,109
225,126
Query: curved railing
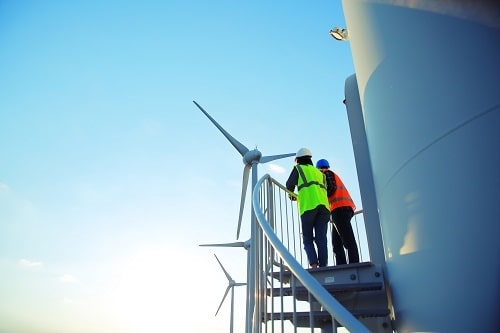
x,y
277,253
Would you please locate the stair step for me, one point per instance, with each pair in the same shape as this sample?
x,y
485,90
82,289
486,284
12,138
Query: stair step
x,y
300,291
320,318
359,273
367,264
349,273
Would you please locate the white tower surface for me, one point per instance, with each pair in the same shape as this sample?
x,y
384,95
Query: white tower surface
x,y
428,74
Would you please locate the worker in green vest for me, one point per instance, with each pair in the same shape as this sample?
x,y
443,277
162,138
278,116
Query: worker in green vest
x,y
313,206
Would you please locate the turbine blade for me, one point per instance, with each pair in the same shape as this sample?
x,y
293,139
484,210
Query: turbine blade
x,y
236,144
246,172
266,159
223,269
223,298
235,244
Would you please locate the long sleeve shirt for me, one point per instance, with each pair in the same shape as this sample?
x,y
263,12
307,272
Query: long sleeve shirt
x,y
293,180
331,186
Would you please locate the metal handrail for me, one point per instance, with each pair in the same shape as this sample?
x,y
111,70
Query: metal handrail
x,y
327,301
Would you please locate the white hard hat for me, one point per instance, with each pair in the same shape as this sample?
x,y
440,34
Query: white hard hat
x,y
303,152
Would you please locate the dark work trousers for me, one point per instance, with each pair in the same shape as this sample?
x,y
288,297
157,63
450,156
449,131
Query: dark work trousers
x,y
314,230
343,236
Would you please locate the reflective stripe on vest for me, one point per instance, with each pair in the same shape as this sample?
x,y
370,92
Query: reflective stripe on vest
x,y
340,197
311,187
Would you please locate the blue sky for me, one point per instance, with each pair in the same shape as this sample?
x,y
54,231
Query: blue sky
x,y
110,177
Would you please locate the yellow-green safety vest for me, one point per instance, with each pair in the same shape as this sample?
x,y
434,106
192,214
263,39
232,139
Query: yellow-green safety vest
x,y
311,188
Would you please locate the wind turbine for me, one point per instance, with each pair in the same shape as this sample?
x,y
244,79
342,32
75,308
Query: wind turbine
x,y
250,158
231,286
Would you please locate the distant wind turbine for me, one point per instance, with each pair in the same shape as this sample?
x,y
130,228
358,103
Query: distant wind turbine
x,y
250,158
246,245
230,286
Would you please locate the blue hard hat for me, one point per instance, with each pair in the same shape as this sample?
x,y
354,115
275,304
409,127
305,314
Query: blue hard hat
x,y
322,164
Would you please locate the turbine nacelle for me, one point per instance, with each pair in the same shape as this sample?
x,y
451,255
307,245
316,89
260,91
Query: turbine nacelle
x,y
252,156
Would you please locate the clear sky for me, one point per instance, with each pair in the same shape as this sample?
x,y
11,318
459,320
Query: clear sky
x,y
110,176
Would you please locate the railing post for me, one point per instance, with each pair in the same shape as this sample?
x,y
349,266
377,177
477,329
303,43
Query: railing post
x,y
270,213
253,261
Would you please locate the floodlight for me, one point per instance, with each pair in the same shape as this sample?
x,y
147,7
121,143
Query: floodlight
x,y
339,33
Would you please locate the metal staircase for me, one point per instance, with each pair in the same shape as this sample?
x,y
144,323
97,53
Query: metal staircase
x,y
360,288
292,298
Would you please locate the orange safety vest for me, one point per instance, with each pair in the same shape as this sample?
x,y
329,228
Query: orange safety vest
x,y
340,197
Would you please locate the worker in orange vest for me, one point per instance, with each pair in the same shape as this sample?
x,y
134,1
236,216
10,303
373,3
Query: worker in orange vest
x,y
342,210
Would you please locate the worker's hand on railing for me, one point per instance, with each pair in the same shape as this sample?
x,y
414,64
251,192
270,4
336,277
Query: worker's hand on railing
x,y
293,198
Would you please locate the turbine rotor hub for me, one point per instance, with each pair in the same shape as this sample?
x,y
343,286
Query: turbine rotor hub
x,y
252,156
